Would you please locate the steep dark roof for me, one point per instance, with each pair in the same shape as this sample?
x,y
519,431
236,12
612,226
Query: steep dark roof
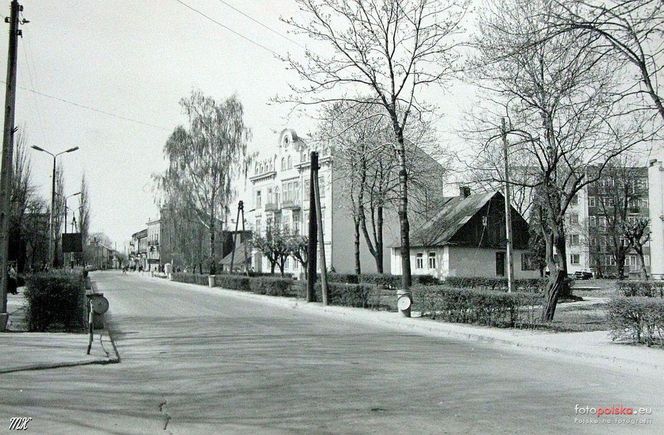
x,y
239,255
456,212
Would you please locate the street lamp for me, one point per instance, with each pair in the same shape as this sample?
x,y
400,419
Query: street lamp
x,y
51,248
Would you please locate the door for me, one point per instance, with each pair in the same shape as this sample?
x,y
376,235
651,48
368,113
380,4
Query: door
x,y
500,263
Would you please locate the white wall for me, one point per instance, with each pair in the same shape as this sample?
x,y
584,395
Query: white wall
x,y
656,204
460,261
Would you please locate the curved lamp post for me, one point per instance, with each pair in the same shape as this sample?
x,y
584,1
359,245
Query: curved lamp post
x,y
51,245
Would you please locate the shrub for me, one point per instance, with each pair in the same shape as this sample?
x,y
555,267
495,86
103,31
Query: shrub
x,y
638,319
650,289
233,282
272,286
348,278
394,281
351,295
191,278
529,285
483,307
56,299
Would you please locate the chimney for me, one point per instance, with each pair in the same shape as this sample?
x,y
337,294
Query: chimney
x,y
464,191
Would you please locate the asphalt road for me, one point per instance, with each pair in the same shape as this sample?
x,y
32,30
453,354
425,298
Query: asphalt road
x,y
196,362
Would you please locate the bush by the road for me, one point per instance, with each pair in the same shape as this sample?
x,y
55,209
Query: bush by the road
x,y
483,307
649,289
272,286
233,282
56,299
394,281
637,319
191,278
529,285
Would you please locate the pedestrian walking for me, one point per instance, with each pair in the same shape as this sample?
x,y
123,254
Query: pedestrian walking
x,y
12,282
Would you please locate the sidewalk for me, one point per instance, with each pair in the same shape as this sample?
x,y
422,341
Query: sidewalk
x,y
45,350
595,347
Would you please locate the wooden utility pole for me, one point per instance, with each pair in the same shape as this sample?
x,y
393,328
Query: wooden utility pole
x,y
240,206
311,248
7,155
246,269
508,210
323,265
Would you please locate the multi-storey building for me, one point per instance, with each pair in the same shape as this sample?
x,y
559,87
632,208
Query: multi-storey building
x,y
595,218
153,259
656,209
280,192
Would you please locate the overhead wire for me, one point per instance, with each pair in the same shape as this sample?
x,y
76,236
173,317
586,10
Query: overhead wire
x,y
276,32
209,18
94,109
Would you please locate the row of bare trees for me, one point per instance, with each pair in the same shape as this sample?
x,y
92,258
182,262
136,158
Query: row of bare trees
x,y
29,216
576,82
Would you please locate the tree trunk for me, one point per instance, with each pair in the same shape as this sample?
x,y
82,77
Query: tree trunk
x,y
281,268
620,264
644,270
379,241
403,214
558,283
272,266
213,259
358,267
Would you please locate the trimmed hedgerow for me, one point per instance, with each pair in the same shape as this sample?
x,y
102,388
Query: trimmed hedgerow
x,y
191,278
649,289
394,281
351,295
483,307
233,282
56,300
272,286
637,319
525,285
347,278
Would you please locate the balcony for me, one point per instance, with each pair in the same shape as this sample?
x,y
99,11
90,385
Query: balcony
x,y
271,206
291,204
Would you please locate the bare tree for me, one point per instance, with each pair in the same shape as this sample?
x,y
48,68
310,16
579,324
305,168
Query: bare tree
x,y
563,115
391,48
631,29
637,232
22,194
274,245
298,248
84,216
206,157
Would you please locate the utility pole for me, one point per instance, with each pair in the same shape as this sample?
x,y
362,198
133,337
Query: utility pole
x,y
508,210
246,269
7,155
323,265
240,207
311,248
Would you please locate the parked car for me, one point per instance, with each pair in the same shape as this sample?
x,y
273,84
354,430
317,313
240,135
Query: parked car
x,y
582,274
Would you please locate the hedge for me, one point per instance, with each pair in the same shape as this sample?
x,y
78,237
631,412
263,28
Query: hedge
x,y
191,278
272,286
56,300
526,285
233,282
650,289
637,319
483,307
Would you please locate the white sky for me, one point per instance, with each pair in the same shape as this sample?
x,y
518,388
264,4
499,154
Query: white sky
x,y
136,59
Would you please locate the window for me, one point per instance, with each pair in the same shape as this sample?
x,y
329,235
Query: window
x,y
573,218
290,162
592,202
296,222
321,186
419,264
258,225
283,163
574,240
575,259
258,199
432,260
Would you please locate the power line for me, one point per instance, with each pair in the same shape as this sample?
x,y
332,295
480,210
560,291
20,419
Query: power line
x,y
82,106
258,44
262,24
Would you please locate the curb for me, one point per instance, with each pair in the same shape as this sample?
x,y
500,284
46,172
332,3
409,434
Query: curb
x,y
417,325
46,366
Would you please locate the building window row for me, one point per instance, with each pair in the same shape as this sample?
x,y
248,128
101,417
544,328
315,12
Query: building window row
x,y
431,260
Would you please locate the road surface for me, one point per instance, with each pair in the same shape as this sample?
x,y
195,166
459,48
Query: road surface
x,y
197,362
